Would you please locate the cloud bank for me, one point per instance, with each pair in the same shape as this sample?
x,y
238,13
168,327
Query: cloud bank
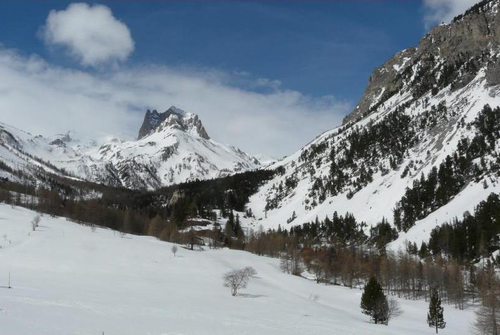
x,y
45,99
90,34
257,115
438,11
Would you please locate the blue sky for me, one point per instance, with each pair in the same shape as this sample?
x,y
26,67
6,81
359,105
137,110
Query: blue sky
x,y
315,55
316,47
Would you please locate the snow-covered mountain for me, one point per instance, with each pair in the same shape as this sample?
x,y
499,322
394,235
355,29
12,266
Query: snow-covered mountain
x,y
423,109
172,147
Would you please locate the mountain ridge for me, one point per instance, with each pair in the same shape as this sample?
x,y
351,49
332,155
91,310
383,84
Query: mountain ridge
x,y
467,36
173,147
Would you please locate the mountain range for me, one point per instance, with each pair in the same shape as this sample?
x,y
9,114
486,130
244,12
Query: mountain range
x,y
172,147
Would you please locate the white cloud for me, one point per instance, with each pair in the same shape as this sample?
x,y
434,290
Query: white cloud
x,y
44,99
438,11
91,34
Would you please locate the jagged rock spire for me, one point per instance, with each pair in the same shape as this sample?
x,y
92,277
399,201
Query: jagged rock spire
x,y
174,118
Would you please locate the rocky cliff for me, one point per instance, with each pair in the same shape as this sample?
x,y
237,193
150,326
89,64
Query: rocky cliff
x,y
449,55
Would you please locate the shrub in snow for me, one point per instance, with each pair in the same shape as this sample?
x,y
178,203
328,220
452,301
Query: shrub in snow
x,y
393,310
35,222
174,249
238,279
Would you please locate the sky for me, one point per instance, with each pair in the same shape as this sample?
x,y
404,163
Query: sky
x,y
265,76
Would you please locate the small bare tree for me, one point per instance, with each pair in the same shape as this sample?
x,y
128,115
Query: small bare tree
x,y
174,249
35,222
238,279
250,271
393,309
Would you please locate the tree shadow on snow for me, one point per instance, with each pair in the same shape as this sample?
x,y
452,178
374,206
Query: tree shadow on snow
x,y
247,295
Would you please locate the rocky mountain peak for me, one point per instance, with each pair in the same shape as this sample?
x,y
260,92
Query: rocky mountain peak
x,y
172,118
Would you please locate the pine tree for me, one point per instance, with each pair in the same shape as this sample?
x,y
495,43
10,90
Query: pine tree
x,y
374,302
237,226
229,228
435,316
397,219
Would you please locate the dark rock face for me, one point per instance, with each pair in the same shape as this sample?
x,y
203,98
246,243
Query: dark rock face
x,y
152,119
174,118
449,55
8,138
58,142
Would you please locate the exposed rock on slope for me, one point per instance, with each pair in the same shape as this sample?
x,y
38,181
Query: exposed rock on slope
x,y
450,55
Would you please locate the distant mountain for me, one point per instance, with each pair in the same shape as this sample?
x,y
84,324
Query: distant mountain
x,y
419,148
172,147
174,118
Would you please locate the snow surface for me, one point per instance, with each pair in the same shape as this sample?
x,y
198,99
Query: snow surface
x,y
67,279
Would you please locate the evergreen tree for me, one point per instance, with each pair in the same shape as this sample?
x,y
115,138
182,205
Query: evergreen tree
x,y
237,226
374,302
229,228
435,316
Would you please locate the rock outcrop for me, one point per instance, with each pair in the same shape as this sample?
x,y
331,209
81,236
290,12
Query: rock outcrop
x,y
448,55
175,118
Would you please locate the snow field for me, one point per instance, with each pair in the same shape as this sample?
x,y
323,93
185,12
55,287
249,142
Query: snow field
x,y
69,280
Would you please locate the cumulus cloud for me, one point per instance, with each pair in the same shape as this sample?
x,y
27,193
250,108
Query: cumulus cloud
x,y
44,99
438,11
90,33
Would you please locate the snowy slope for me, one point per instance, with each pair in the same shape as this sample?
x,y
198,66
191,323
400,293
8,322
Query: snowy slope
x,y
451,68
378,198
176,150
67,279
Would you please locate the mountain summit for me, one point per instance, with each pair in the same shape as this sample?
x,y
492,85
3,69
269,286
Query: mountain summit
x,y
448,56
175,118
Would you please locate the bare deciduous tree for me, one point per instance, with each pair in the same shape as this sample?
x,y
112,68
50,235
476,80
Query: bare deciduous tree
x,y
488,314
250,271
393,309
174,249
487,319
238,279
35,222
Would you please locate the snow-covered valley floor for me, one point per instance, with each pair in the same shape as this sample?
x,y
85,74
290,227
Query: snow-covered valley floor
x,y
69,280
